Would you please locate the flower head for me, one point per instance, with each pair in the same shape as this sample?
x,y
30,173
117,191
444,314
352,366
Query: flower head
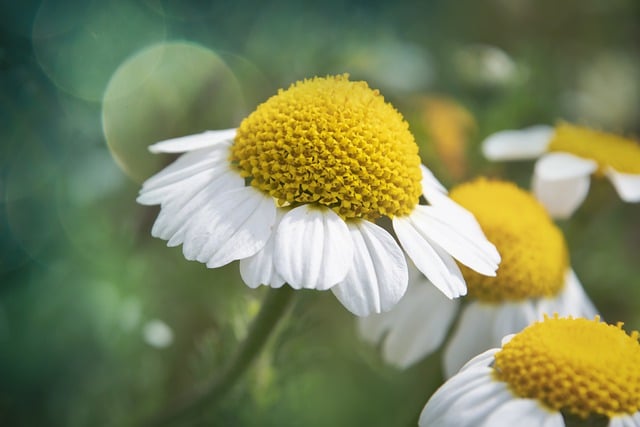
x,y
569,155
534,279
295,192
552,371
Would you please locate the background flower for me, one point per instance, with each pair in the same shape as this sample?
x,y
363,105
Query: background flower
x,y
557,372
569,155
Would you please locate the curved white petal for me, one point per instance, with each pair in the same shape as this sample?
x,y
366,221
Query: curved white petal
x,y
627,185
471,249
471,336
561,182
506,339
558,166
523,413
182,208
482,326
572,301
511,318
460,218
193,142
430,183
233,225
625,420
186,175
259,269
421,323
431,260
313,249
482,360
378,277
415,327
466,400
527,143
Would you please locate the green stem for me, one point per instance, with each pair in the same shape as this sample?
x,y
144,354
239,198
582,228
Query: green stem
x,y
273,308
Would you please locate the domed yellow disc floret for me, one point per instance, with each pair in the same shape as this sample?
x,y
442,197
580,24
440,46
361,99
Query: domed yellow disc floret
x,y
606,149
533,249
332,142
578,366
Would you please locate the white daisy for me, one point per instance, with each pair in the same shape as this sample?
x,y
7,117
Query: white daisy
x,y
295,191
556,373
534,279
568,156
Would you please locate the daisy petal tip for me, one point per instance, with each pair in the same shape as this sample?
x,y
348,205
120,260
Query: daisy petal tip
x,y
192,142
315,249
627,185
520,144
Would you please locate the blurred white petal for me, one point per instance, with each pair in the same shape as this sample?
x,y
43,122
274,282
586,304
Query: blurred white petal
x,y
626,184
528,143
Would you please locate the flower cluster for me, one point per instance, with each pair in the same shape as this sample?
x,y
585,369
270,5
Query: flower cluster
x,y
322,187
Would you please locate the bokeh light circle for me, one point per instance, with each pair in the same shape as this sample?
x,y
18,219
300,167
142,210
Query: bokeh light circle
x,y
166,90
79,44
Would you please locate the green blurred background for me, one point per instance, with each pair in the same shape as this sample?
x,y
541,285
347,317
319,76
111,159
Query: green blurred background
x,y
102,325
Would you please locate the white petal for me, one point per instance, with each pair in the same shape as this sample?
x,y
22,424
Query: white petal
x,y
461,218
421,322
314,249
233,225
193,142
259,269
626,184
430,183
527,143
511,318
483,326
471,249
431,260
523,413
482,360
185,175
378,277
466,400
625,420
182,207
572,301
558,166
472,336
561,182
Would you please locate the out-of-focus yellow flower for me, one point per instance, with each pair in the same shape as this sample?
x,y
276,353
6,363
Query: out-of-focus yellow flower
x,y
449,125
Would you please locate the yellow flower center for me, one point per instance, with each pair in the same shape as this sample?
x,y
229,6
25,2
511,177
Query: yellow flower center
x,y
534,252
578,366
606,149
333,142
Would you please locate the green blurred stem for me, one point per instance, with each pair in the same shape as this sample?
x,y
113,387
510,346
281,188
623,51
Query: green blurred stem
x,y
274,306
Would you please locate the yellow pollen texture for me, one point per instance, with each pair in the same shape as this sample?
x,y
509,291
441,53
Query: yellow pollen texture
x,y
332,142
606,149
534,252
578,366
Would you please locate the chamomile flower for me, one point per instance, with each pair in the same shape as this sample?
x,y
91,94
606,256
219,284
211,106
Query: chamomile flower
x,y
555,373
534,278
296,191
568,156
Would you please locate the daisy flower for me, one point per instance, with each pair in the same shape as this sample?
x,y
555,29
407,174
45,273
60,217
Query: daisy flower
x,y
568,156
297,193
555,373
534,278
